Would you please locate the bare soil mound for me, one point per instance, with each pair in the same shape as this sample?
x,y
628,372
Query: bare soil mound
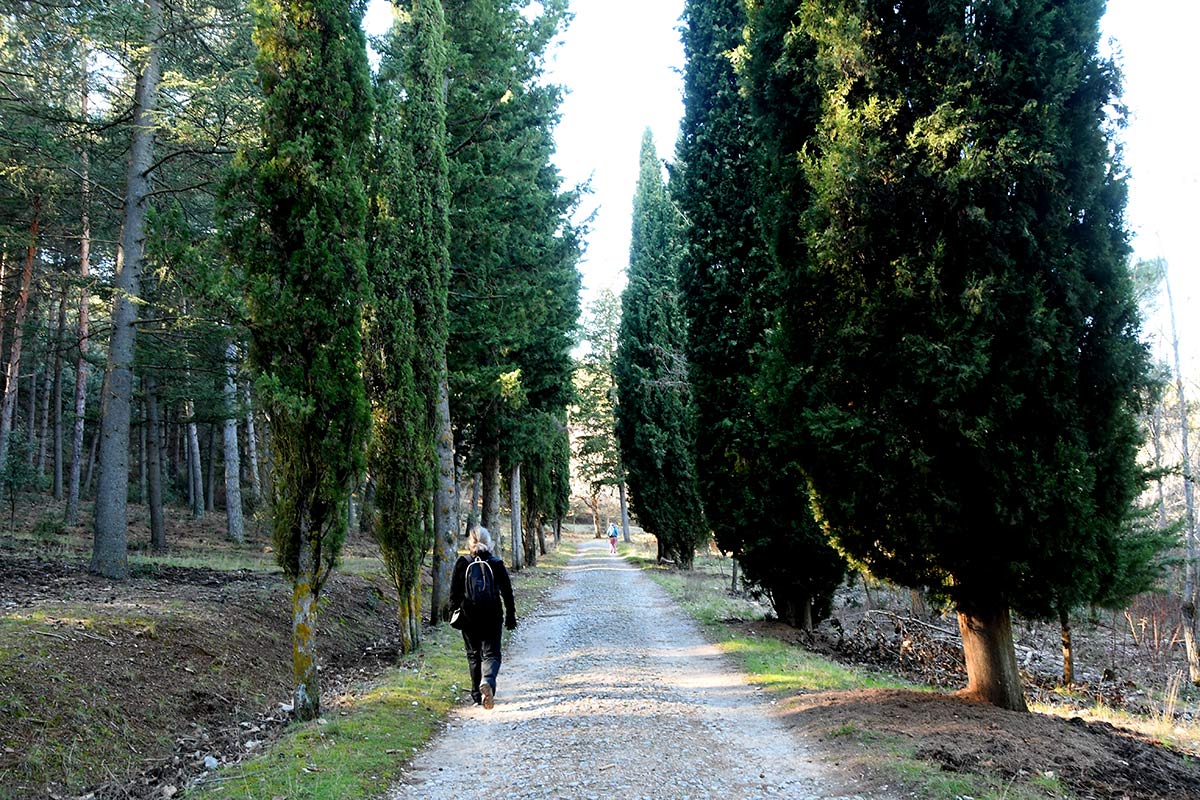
x,y
124,688
1093,760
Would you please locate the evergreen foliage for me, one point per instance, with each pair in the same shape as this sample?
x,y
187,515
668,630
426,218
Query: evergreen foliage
x,y
598,459
513,249
655,416
407,267
960,353
753,498
303,251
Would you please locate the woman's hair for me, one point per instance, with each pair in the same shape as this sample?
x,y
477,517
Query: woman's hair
x,y
480,540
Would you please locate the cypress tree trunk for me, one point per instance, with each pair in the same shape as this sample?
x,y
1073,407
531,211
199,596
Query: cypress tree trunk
x,y
233,469
514,498
158,537
530,528
1068,658
109,557
306,699
12,381
594,505
445,513
490,513
624,513
992,673
473,516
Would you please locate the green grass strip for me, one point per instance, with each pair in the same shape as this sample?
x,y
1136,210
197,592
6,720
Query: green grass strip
x,y
369,733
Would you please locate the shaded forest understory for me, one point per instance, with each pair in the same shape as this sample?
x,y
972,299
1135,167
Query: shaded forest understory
x,y
124,689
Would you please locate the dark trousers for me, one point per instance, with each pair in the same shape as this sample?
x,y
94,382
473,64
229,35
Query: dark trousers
x,y
483,655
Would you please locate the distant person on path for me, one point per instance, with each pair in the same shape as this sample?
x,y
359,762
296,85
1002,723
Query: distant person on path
x,y
612,538
479,583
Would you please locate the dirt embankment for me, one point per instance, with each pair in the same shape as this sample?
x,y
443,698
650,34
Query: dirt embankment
x,y
125,688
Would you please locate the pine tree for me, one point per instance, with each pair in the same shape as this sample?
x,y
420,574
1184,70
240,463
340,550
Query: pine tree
x,y
655,416
408,269
960,353
753,499
300,239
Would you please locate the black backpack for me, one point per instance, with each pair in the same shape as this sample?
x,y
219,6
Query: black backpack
x,y
480,596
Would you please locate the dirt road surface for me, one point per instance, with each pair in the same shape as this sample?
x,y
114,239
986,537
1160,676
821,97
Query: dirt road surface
x,y
610,692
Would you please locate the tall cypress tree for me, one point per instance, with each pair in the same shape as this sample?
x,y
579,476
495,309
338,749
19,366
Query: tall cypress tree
x,y
407,266
960,352
753,498
300,239
654,412
514,299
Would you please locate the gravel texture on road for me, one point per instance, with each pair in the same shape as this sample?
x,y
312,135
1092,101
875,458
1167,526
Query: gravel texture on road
x,y
608,691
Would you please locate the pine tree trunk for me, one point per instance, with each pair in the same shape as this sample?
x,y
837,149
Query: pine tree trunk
x,y
12,382
58,398
158,537
625,514
233,467
3,315
1068,658
32,408
109,557
514,502
175,437
210,488
89,480
445,513
1188,606
71,516
47,392
195,474
306,698
252,449
143,489
992,673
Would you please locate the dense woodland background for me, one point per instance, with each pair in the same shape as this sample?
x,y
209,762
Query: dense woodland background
x,y
880,316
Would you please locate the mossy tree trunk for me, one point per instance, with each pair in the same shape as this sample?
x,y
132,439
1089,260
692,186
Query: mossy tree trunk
x,y
306,698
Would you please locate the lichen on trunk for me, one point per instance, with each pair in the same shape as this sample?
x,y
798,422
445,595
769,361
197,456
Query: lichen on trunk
x,y
306,699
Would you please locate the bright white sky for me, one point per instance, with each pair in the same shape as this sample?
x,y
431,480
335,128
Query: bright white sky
x,y
620,62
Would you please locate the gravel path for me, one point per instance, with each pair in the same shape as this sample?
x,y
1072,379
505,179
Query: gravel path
x,y
610,692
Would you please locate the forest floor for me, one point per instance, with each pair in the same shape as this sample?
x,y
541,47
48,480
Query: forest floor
x,y
126,690
1126,730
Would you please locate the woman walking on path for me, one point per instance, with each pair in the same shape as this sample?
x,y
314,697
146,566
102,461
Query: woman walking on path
x,y
479,583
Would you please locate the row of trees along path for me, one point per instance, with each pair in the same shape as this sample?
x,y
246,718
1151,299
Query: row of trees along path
x,y
613,692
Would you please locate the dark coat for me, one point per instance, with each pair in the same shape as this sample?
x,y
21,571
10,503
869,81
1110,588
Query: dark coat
x,y
503,586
